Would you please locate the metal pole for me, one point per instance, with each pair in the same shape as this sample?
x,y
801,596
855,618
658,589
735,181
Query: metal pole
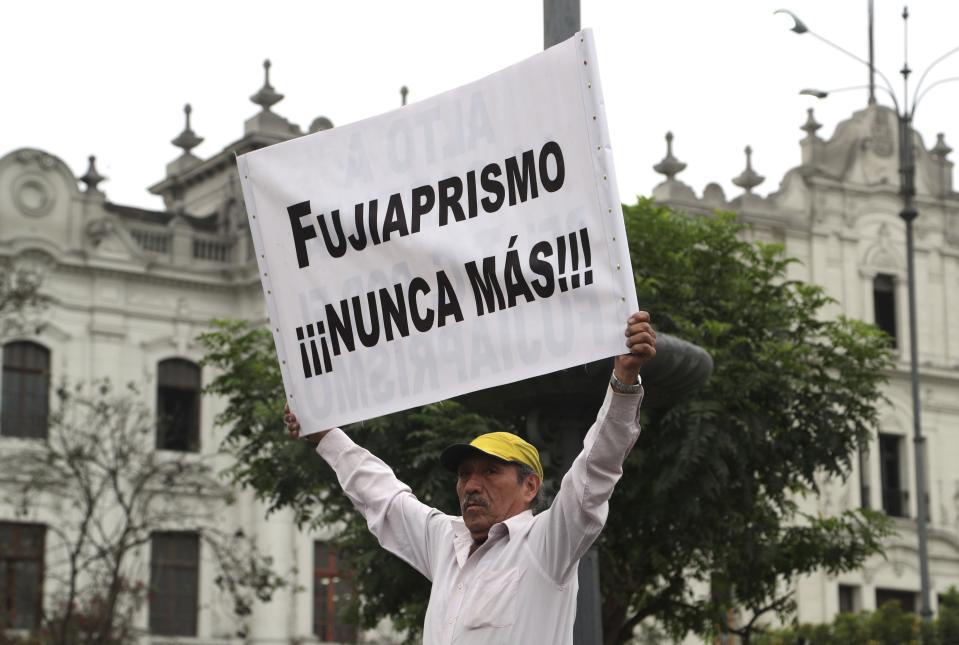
x,y
909,214
560,22
919,441
872,60
907,170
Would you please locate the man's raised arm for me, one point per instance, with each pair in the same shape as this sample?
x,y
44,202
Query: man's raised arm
x,y
403,525
578,513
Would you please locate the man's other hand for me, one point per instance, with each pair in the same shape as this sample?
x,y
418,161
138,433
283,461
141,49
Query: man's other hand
x,y
293,427
641,342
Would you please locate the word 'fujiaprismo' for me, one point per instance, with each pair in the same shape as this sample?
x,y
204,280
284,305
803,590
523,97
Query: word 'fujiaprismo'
x,y
453,199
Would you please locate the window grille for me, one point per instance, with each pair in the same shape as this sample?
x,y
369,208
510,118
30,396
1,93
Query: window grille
x,y
174,583
178,405
26,390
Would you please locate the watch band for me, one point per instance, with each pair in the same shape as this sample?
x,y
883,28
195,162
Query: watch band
x,y
621,388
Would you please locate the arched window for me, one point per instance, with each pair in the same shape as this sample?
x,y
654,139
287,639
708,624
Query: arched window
x,y
895,479
178,405
26,390
884,304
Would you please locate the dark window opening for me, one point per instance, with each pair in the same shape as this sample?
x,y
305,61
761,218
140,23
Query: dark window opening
x,y
865,491
905,599
848,599
332,591
895,497
26,386
21,575
884,305
174,583
178,405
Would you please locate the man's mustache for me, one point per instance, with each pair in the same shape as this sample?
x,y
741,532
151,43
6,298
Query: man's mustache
x,y
474,498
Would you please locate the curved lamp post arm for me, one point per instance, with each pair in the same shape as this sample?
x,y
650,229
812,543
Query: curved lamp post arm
x,y
800,27
918,98
821,94
929,69
885,80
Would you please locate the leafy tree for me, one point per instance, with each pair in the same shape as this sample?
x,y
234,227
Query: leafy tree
x,y
888,625
709,495
99,474
947,628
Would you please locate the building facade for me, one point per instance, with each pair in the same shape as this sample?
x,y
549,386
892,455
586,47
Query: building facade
x,y
131,289
837,212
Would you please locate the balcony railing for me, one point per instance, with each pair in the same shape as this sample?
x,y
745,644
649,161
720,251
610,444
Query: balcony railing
x,y
207,247
152,241
212,249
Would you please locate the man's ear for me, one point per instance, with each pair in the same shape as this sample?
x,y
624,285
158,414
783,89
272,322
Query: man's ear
x,y
531,486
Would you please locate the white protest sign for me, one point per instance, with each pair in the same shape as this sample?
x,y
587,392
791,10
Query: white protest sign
x,y
469,240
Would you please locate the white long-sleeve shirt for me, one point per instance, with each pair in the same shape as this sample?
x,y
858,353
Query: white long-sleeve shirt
x,y
520,586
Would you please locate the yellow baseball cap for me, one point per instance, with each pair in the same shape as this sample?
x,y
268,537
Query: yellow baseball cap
x,y
501,445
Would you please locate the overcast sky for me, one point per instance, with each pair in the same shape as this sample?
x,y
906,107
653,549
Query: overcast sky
x,y
111,78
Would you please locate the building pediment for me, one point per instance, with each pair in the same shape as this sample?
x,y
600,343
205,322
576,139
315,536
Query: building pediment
x,y
864,151
108,240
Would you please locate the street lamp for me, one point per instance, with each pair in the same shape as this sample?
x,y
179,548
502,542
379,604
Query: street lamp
x,y
907,173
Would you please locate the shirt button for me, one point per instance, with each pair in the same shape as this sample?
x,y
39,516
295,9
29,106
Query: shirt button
x,y
459,586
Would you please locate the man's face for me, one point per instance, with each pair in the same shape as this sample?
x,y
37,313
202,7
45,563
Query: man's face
x,y
490,491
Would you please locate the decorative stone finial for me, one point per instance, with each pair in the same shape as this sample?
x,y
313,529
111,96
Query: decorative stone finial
x,y
713,194
91,178
187,140
941,149
670,165
403,92
320,123
266,96
749,178
810,126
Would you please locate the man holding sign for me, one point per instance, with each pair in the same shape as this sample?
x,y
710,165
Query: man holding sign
x,y
499,573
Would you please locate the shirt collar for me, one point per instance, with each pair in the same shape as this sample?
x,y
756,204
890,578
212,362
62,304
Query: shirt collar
x,y
518,523
462,540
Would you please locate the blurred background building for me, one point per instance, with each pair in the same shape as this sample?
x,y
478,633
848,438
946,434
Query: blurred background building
x,y
131,289
838,212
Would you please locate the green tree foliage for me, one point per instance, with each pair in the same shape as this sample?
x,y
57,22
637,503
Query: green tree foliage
x,y
947,628
709,495
888,625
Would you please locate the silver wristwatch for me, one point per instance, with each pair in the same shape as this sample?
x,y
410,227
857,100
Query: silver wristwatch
x,y
621,388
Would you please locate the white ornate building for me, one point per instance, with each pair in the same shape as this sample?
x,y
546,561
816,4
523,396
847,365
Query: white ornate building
x,y
838,213
132,288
